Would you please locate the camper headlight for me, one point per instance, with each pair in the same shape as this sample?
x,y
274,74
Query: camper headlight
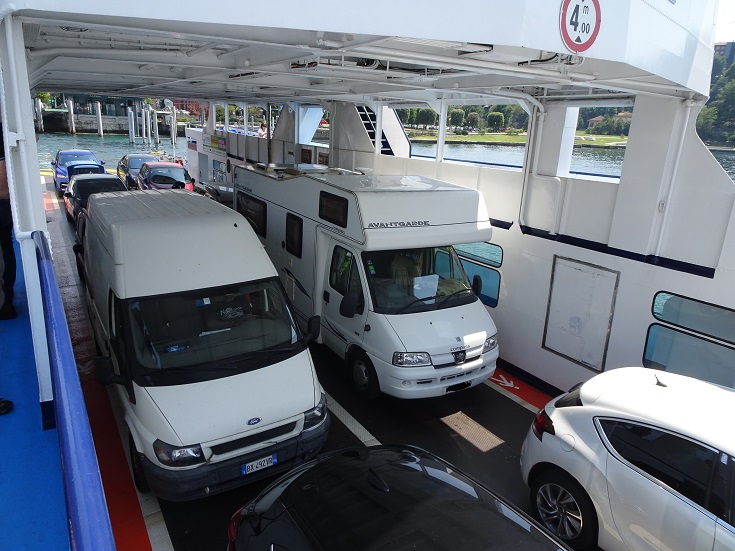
x,y
490,343
411,359
315,416
178,456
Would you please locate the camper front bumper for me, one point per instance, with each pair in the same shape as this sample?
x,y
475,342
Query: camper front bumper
x,y
431,381
214,478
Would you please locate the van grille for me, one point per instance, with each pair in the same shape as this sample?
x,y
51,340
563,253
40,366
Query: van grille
x,y
246,441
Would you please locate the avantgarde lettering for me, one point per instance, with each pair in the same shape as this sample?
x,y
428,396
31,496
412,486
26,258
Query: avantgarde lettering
x,y
406,224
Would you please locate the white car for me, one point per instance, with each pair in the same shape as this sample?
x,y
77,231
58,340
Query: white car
x,y
635,459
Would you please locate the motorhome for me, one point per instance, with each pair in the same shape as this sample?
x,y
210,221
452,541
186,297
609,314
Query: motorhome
x,y
213,375
373,256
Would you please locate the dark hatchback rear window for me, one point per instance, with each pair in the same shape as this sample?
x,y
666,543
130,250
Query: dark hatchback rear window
x,y
404,505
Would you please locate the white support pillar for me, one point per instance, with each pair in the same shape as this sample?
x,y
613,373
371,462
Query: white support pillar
x,y
146,128
98,112
131,125
296,132
150,124
227,117
154,116
39,115
440,138
26,195
378,131
70,113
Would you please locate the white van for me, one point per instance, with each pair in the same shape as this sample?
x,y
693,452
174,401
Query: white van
x,y
194,329
373,257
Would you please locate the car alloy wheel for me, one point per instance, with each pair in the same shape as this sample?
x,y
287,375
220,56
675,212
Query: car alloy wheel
x,y
564,508
364,378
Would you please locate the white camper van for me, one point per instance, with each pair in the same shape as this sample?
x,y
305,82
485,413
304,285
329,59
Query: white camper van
x,y
373,257
195,331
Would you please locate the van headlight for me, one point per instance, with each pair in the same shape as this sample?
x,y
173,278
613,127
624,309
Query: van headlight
x,y
315,416
178,456
490,343
411,359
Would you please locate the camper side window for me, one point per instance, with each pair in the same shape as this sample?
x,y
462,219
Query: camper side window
x,y
254,210
339,273
294,234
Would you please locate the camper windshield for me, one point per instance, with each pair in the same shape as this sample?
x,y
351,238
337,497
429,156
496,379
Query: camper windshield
x,y
416,280
205,334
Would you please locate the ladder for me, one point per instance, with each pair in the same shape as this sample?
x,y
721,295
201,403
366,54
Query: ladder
x,y
369,119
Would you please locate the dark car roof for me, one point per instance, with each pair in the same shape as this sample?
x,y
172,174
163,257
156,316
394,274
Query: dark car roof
x,y
163,164
402,497
142,156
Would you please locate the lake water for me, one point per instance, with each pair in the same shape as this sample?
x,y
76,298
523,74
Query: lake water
x,y
601,161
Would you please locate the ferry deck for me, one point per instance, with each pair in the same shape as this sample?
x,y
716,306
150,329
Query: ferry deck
x,y
606,250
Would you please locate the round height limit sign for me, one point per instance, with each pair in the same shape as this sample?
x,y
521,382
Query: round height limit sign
x,y
580,23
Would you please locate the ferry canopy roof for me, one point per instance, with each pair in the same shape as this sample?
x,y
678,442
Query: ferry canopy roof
x,y
402,53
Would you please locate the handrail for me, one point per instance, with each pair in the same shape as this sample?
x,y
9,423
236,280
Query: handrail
x,y
89,518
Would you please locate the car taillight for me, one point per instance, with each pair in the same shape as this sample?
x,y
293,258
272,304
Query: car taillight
x,y
232,529
542,423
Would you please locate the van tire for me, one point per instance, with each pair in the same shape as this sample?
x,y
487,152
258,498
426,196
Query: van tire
x,y
136,465
362,375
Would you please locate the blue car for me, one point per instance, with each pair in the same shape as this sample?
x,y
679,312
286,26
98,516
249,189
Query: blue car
x,y
69,162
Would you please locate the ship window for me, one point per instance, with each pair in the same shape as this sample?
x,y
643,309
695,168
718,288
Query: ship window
x,y
294,234
481,259
254,210
670,349
333,208
702,317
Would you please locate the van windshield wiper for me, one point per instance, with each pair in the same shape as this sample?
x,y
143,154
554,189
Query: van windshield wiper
x,y
402,309
446,298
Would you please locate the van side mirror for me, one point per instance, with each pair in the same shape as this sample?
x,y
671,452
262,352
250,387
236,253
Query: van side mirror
x,y
313,328
477,284
105,375
348,305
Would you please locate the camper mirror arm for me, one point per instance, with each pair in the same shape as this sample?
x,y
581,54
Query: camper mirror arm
x,y
313,328
348,305
477,284
106,375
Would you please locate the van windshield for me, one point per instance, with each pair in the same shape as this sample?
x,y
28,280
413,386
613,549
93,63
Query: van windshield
x,y
416,280
209,333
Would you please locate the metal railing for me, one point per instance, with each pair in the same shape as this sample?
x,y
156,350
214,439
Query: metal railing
x,y
89,518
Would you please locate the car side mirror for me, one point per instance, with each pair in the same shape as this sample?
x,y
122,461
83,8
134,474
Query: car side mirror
x,y
106,376
53,163
102,162
313,328
477,284
67,194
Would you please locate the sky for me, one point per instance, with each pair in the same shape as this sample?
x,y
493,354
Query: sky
x,y
725,24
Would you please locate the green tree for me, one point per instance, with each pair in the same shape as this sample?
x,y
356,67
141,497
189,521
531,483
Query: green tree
x,y
456,117
473,119
426,117
45,97
495,121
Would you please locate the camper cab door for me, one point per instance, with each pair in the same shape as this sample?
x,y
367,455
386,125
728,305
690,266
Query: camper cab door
x,y
344,308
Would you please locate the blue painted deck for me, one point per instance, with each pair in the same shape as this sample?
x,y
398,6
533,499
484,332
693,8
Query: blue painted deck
x,y
33,511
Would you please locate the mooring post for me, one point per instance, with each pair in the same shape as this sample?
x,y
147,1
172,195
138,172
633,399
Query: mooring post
x,y
131,125
98,112
39,116
70,112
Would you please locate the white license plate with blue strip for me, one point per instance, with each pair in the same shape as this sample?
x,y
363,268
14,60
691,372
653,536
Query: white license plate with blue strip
x,y
258,464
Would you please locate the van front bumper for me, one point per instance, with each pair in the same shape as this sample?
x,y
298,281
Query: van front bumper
x,y
209,479
428,382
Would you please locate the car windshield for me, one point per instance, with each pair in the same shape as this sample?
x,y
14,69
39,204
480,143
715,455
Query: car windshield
x,y
169,175
88,187
67,158
136,162
213,331
416,280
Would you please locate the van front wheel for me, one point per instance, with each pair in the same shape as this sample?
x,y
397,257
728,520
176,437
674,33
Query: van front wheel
x,y
363,376
136,464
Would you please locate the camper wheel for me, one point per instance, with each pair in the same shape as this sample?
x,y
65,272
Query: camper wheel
x,y
363,376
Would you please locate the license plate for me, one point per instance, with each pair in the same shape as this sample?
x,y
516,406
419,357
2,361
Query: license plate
x,y
259,464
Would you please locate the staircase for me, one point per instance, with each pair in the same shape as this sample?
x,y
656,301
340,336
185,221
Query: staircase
x,y
369,119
